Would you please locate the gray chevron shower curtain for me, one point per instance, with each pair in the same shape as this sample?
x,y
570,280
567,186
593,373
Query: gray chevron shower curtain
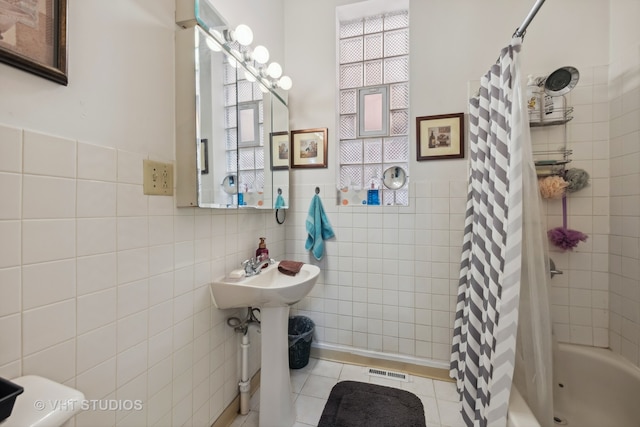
x,y
485,327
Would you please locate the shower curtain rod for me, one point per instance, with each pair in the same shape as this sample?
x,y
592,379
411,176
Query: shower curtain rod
x,y
532,13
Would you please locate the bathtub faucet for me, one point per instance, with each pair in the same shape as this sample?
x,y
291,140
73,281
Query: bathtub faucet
x,y
552,268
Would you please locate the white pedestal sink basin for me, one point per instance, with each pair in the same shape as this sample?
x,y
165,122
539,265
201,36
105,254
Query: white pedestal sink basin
x,y
273,292
269,288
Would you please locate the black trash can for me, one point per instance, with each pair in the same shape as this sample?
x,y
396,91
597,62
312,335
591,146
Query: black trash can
x,y
300,336
9,391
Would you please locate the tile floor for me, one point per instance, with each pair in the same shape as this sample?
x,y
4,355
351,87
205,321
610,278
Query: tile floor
x,y
312,385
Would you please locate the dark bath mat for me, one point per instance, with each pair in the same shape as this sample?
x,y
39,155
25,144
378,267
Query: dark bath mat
x,y
356,404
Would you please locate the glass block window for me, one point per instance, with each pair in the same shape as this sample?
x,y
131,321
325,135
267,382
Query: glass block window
x,y
373,54
244,160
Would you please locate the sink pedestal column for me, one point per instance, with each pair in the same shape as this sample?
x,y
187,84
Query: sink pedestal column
x,y
276,401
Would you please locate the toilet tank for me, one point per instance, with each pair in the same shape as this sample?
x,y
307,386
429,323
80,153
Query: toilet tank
x,y
44,403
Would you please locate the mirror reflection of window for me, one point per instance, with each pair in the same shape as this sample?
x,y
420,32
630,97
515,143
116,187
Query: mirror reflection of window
x,y
249,123
247,129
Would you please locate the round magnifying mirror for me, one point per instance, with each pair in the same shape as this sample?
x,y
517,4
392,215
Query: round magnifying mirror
x,y
230,184
281,215
394,178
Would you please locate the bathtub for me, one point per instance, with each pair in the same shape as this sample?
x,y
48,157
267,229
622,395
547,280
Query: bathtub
x,y
593,387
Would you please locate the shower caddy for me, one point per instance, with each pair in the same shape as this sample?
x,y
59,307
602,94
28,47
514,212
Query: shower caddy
x,y
552,161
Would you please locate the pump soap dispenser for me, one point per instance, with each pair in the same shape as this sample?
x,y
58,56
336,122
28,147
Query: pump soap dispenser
x,y
262,253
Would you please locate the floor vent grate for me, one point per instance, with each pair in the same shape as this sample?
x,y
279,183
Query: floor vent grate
x,y
383,373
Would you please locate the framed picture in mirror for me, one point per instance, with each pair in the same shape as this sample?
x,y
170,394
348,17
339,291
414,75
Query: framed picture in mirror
x,y
279,150
440,137
203,156
309,148
33,37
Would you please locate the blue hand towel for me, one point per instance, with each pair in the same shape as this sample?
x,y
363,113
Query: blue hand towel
x,y
318,228
279,202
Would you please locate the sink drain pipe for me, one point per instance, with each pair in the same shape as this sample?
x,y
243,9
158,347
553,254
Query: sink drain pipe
x,y
245,382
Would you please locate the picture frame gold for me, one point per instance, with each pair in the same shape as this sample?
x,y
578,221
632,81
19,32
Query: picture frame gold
x,y
309,148
35,38
440,137
279,150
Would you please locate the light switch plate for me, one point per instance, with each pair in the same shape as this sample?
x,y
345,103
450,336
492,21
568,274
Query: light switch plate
x,y
157,178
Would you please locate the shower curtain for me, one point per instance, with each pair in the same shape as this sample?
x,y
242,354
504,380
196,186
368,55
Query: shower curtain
x,y
503,222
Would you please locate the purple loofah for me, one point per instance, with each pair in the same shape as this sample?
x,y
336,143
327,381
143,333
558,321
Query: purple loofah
x,y
563,237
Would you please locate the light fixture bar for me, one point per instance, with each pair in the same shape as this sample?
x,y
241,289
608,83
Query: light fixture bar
x,y
237,43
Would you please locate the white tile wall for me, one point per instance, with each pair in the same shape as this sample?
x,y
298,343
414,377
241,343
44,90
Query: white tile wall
x,y
624,239
389,279
34,275
11,195
576,295
105,289
49,155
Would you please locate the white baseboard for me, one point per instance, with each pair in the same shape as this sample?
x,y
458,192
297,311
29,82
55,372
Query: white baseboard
x,y
414,365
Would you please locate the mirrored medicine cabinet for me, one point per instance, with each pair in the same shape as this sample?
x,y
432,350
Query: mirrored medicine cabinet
x,y
228,126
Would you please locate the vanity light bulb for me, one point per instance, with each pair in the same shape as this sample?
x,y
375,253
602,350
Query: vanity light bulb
x,y
274,70
213,45
243,35
217,35
234,58
261,54
250,77
285,82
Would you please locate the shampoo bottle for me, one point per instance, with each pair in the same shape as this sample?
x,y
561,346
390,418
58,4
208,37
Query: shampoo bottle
x,y
533,99
262,253
556,110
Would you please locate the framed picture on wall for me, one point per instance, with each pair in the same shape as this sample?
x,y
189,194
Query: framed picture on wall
x,y
33,37
309,148
279,150
440,137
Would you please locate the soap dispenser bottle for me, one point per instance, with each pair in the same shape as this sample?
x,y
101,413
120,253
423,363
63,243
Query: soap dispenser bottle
x,y
373,192
262,253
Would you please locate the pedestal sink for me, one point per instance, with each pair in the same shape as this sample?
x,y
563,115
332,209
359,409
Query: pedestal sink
x,y
273,292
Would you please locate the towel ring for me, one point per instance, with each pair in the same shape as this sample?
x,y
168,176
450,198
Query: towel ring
x,y
317,190
284,216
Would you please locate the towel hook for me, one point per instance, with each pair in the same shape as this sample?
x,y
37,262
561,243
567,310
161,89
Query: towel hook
x,y
317,190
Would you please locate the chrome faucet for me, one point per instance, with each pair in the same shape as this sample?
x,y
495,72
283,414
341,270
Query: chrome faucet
x,y
552,267
252,266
